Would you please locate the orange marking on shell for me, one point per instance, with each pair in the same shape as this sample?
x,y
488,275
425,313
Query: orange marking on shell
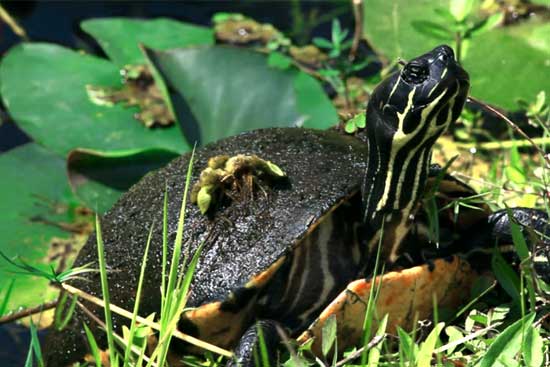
x,y
262,278
204,311
224,328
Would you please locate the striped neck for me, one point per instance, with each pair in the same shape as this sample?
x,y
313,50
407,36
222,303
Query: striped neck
x,y
398,166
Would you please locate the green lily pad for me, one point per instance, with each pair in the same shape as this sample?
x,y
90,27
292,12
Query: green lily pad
x,y
390,27
99,178
505,63
510,64
231,90
43,87
35,201
120,37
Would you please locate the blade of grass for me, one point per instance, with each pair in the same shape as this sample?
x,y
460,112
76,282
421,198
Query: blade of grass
x,y
375,352
264,354
93,346
508,343
4,305
29,359
523,252
120,340
164,244
122,312
174,300
474,300
61,323
533,348
373,296
180,303
506,276
406,349
427,348
138,298
105,292
35,343
176,254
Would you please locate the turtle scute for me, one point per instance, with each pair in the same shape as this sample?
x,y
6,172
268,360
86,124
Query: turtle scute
x,y
227,176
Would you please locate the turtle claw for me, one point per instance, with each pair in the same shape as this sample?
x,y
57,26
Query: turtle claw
x,y
225,173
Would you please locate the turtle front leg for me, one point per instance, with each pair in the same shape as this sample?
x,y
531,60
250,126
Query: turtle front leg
x,y
248,351
405,296
478,242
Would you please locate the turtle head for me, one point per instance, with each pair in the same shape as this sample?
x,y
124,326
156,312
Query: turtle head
x,y
431,85
406,114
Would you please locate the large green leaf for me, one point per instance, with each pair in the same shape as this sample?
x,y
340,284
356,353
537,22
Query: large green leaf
x,y
505,63
510,63
43,87
230,90
34,196
99,178
507,344
120,37
389,26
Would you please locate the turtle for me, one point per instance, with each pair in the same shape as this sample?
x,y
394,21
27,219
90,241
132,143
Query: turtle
x,y
287,219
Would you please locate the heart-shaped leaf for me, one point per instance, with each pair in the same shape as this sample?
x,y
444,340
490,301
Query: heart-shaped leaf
x,y
504,63
38,216
230,90
507,64
44,88
120,37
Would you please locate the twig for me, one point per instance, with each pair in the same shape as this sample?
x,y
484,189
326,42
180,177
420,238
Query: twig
x,y
541,320
373,343
506,144
12,23
91,315
286,341
511,124
358,30
122,312
27,312
466,338
491,184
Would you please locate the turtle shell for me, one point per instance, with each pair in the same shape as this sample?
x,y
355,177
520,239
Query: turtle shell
x,y
242,240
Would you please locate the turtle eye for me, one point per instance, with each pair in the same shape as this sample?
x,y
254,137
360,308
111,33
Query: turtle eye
x,y
415,72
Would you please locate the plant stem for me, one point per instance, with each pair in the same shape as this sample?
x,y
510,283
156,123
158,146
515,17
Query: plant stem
x,y
511,124
27,312
505,144
91,315
12,23
373,343
122,312
358,30
346,93
458,46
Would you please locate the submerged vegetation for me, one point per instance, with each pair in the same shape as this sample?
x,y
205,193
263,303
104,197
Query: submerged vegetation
x,y
95,134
